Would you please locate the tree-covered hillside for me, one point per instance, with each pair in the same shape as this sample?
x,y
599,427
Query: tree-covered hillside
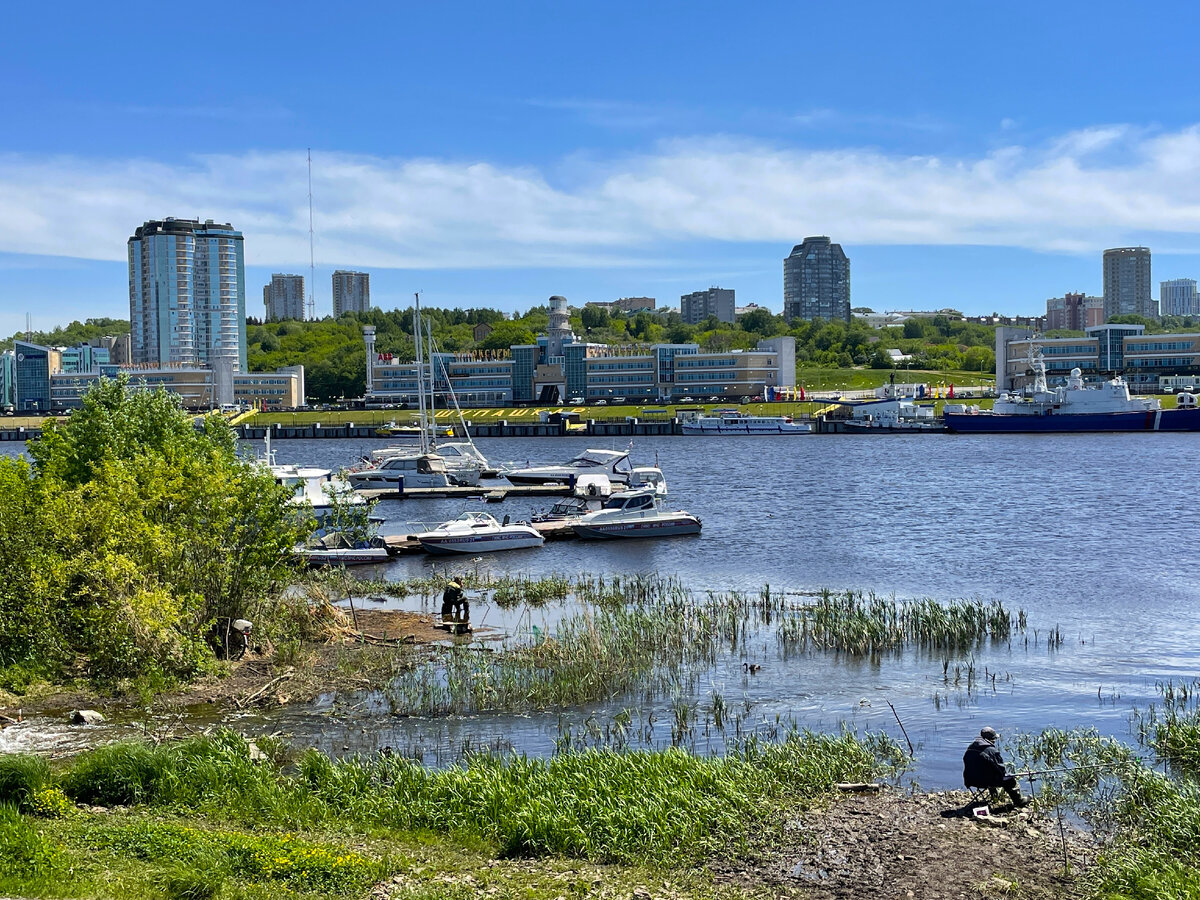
x,y
75,333
331,350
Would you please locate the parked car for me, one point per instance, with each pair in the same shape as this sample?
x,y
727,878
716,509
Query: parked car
x,y
619,400
713,400
601,403
575,400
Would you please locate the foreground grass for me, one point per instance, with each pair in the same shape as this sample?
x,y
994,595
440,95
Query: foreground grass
x,y
202,818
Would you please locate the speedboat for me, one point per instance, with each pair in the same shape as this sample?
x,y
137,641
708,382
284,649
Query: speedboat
x,y
612,463
335,549
478,532
588,496
635,514
416,470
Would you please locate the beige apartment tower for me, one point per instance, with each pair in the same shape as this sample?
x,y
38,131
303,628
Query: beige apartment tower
x,y
351,292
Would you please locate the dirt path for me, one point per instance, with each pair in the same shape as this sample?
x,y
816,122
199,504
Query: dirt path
x,y
926,847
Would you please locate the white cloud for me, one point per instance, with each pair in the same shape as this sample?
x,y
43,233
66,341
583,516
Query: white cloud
x,y
1082,191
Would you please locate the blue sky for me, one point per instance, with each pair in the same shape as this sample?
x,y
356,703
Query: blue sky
x,y
964,155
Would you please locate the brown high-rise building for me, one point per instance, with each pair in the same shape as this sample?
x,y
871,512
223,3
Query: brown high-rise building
x,y
1074,312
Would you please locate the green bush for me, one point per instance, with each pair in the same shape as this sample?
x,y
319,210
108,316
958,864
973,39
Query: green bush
x,y
51,803
119,775
22,776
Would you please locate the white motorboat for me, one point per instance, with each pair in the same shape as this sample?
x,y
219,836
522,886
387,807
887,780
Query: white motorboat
x,y
635,514
464,463
312,487
612,463
335,549
588,496
650,477
478,532
737,423
397,473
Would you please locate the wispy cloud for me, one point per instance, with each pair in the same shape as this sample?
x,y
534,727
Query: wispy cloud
x,y
1076,193
841,119
618,115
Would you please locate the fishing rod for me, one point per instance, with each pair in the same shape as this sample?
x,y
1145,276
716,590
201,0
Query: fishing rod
x,y
1110,765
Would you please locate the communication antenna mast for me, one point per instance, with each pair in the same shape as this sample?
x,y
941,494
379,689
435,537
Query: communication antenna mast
x,y
312,259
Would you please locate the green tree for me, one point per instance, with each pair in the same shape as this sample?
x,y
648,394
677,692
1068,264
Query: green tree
x,y
143,528
594,317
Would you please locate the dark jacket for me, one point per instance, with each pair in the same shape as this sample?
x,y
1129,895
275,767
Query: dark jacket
x,y
983,766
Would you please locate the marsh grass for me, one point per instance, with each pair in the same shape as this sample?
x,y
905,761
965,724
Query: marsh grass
x,y
1171,727
867,624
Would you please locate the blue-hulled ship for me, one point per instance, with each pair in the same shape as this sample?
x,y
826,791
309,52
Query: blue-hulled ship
x,y
1073,407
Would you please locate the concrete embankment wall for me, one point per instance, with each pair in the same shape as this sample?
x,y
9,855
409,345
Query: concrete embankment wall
x,y
478,429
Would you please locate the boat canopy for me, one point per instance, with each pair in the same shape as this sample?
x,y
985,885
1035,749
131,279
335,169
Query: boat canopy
x,y
591,458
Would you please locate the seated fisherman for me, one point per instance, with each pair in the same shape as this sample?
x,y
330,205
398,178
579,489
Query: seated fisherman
x,y
983,767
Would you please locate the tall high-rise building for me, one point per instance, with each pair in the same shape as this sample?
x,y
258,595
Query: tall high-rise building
x,y
187,293
1127,283
284,297
816,281
351,292
695,307
1177,297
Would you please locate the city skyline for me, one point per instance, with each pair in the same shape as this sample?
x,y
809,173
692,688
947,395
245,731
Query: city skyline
x,y
540,163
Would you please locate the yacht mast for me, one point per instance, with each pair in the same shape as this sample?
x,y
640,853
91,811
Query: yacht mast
x,y
432,386
422,422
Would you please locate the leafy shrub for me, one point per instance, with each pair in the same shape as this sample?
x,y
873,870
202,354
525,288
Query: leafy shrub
x,y
51,803
118,775
22,777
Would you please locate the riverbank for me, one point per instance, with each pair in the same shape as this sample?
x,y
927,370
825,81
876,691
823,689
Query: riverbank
x,y
356,650
217,816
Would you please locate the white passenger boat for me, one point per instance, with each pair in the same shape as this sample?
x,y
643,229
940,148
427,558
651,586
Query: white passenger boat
x,y
737,423
612,463
635,514
478,532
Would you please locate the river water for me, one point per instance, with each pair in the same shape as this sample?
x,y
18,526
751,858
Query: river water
x,y
1092,534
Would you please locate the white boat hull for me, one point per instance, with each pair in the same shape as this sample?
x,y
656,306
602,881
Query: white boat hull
x,y
738,428
480,543
383,480
365,556
647,527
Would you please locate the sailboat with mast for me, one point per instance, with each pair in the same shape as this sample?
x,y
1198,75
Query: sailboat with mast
x,y
421,466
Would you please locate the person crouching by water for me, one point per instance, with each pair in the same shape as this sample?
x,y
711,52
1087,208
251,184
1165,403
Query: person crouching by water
x,y
453,601
983,767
